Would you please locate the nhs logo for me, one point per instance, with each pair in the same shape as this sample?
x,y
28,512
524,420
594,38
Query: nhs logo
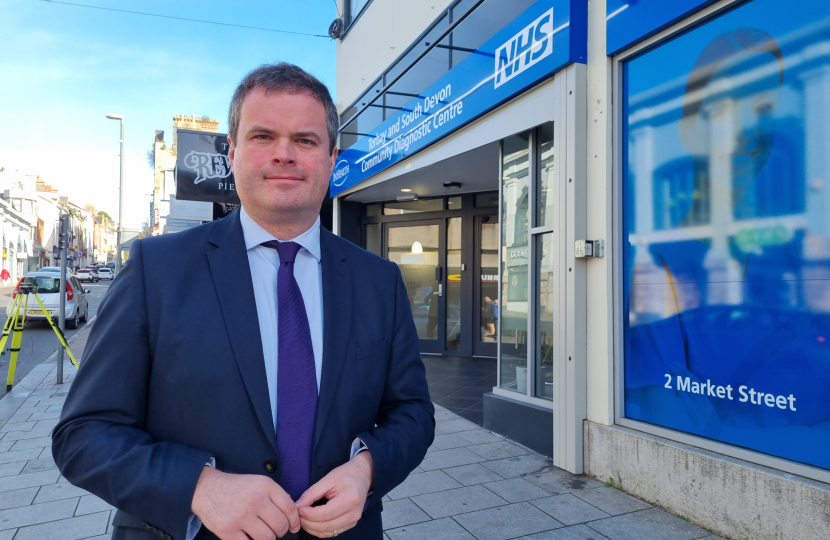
x,y
340,172
525,49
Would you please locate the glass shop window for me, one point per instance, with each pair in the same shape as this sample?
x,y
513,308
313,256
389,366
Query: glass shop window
x,y
726,250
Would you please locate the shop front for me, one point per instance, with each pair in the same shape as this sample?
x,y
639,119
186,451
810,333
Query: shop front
x,y
447,169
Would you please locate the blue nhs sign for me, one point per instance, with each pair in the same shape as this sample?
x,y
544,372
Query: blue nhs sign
x,y
531,45
548,36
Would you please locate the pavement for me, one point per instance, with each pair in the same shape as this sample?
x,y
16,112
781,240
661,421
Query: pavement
x,y
472,484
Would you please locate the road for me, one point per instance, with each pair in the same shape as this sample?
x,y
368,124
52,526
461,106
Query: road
x,y
39,341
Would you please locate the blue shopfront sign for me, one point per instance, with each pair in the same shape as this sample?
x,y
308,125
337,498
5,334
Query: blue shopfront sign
x,y
630,21
726,238
550,35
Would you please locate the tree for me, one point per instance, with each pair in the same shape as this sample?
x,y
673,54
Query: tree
x,y
102,213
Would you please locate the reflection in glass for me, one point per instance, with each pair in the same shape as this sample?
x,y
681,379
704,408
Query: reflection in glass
x,y
487,200
546,185
453,294
514,295
727,252
415,251
454,203
373,238
373,210
489,281
544,316
413,207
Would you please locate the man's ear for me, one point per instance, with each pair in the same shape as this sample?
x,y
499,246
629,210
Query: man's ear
x,y
333,160
231,151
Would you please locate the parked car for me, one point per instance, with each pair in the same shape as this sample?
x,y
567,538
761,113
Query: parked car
x,y
48,289
86,274
56,270
105,273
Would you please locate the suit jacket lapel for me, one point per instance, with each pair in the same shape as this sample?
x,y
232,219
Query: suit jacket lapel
x,y
235,289
337,319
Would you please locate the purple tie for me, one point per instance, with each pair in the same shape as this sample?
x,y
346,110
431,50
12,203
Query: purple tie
x,y
296,377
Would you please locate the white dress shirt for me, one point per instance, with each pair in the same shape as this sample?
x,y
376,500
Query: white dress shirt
x,y
264,263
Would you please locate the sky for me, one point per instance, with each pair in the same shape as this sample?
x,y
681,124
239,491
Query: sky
x,y
63,68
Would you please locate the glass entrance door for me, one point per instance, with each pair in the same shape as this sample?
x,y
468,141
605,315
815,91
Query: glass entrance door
x,y
420,253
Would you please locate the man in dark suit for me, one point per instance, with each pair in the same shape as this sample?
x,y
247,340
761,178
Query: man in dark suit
x,y
258,376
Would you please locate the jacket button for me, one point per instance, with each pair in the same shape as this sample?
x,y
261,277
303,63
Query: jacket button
x,y
270,466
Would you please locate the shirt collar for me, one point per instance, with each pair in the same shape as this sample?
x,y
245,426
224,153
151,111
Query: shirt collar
x,y
255,235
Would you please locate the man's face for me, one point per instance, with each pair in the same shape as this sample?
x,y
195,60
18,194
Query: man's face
x,y
280,158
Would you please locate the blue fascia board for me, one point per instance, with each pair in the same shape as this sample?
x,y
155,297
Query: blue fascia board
x,y
629,22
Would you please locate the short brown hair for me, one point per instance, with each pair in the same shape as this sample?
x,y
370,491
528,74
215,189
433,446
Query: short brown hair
x,y
284,77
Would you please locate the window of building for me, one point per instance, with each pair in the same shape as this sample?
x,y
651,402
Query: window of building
x,y
514,271
355,8
725,238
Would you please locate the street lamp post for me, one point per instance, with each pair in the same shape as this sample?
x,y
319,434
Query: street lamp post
x,y
120,193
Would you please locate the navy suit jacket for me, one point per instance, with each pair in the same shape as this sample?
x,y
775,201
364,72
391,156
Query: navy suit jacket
x,y
173,374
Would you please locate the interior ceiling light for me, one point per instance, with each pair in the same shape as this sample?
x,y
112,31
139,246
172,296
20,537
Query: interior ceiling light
x,y
406,190
417,247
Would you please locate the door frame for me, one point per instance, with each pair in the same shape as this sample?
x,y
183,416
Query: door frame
x,y
470,312
480,348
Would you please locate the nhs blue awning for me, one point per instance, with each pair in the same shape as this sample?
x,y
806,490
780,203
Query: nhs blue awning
x,y
547,37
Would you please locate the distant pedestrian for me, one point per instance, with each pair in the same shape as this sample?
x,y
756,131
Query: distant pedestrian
x,y
287,402
5,276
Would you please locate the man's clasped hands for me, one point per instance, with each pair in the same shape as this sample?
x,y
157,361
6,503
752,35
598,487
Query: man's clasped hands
x,y
242,506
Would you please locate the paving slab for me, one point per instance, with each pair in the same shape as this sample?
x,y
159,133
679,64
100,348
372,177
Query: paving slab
x,y
518,466
473,474
516,490
499,450
568,509
451,440
28,480
441,529
11,469
39,465
558,481
401,513
40,442
17,497
506,522
423,483
458,501
90,504
576,532
22,455
611,500
55,492
480,436
67,529
37,513
454,457
654,524
454,426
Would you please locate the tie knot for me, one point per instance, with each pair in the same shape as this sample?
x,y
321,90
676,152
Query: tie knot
x,y
287,250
